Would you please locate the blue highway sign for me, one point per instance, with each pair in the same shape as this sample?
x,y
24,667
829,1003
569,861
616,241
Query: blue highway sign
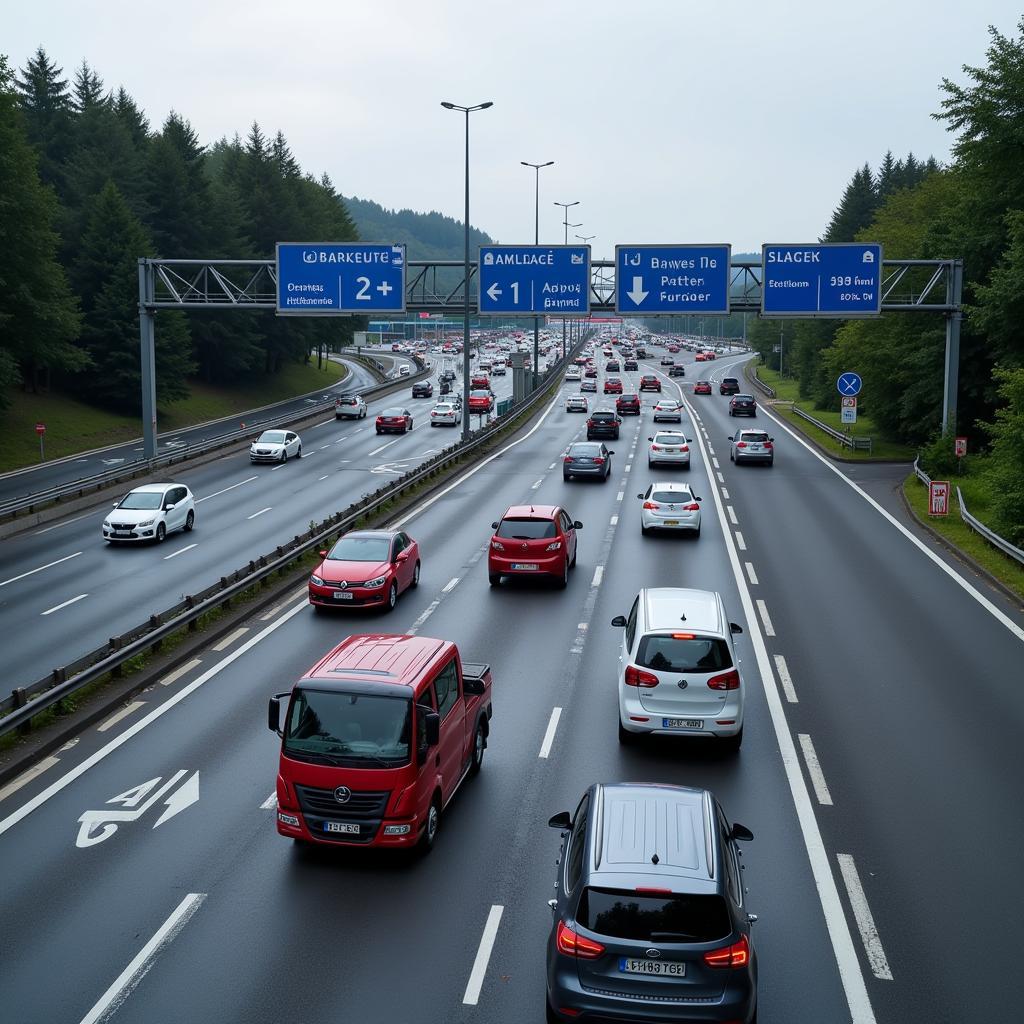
x,y
321,278
553,280
849,384
841,279
671,279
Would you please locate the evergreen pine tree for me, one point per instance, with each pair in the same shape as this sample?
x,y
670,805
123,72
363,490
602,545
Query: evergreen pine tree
x,y
46,106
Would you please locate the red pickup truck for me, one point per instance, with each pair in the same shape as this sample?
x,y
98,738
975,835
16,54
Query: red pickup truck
x,y
377,737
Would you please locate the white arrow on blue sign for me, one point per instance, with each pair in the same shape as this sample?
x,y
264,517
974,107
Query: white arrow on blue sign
x,y
849,384
671,279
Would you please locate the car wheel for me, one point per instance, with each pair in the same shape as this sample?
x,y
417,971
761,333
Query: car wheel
x,y
550,1016
732,744
494,578
379,431
696,532
566,477
563,580
190,521
161,532
479,746
284,456
626,738
645,531
392,596
771,461
433,823
415,576
298,452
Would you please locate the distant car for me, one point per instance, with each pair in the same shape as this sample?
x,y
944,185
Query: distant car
x,y
533,540
612,386
673,348
498,370
404,370
631,364
612,366
423,389
668,410
667,361
742,405
677,370
628,404
573,374
700,357
590,372
276,446
576,403
752,446
603,423
365,568
480,381
149,513
641,353
648,382
709,355
669,447
729,386
394,421
702,387
481,401
587,458
669,506
350,407
588,385
445,414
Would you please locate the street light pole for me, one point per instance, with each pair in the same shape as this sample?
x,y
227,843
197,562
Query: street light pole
x,y
536,241
565,221
465,332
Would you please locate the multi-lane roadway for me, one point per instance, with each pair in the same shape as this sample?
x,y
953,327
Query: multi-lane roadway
x,y
879,772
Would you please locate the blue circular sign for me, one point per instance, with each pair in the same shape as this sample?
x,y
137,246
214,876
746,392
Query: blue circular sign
x,y
848,384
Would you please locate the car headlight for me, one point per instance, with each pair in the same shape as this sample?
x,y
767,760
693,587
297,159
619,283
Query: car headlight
x,y
106,525
378,582
316,581
148,522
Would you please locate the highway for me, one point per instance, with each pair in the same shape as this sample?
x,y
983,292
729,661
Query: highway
x,y
879,771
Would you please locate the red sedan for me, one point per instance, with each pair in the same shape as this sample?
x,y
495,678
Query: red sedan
x,y
365,568
481,401
394,421
613,386
533,540
702,387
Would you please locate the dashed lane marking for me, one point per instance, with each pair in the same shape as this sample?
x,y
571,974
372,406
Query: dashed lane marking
x,y
740,542
182,670
762,609
27,776
206,497
814,770
549,733
598,576
483,956
865,922
181,551
230,639
119,715
732,515
57,608
784,677
32,572
751,575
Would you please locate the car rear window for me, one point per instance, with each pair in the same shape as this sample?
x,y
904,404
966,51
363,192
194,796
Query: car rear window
x,y
743,398
603,417
643,917
394,412
526,529
672,497
679,653
754,435
583,448
629,398
669,439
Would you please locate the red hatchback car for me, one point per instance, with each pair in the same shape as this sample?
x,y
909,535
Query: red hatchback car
x,y
396,421
648,382
628,404
364,568
612,386
702,387
533,540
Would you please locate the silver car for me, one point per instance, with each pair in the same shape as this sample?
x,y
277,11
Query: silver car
x,y
276,446
752,446
576,403
668,409
669,447
669,506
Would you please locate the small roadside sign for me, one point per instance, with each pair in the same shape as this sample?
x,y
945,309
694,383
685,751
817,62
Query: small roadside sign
x,y
849,409
961,447
938,498
40,428
849,384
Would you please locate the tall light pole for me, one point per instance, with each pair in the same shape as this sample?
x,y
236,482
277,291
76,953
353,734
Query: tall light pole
x,y
585,239
465,334
565,220
536,241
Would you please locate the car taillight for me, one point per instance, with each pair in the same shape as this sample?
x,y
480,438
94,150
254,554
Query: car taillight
x,y
736,955
637,677
655,448
741,444
554,545
568,458
685,448
571,944
692,507
768,446
652,505
599,461
497,545
726,681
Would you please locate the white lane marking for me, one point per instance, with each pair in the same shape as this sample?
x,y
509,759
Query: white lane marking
x,y
66,522
261,511
226,489
323,446
431,608
122,988
483,956
277,467
32,572
814,770
57,608
725,494
119,715
629,466
714,462
27,776
598,576
751,575
450,585
303,591
614,521
179,672
721,479
865,922
740,542
784,677
618,497
549,734
769,629
711,450
324,477
732,515
536,484
383,446
270,803
230,639
552,466
181,551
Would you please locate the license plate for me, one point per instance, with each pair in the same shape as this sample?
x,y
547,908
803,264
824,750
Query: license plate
x,y
342,595
671,522
346,827
656,968
122,533
682,723
525,566
755,447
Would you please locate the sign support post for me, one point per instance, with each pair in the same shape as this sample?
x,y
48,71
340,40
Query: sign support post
x,y
147,336
951,376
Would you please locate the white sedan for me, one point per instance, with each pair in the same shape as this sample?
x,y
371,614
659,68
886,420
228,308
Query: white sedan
x,y
576,403
669,506
276,446
668,409
669,447
446,414
150,512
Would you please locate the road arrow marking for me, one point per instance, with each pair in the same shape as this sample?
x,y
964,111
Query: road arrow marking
x,y
638,294
181,798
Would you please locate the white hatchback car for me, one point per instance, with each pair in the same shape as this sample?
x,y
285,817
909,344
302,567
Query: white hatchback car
x,y
577,403
150,512
669,447
276,446
678,670
668,409
573,374
669,506
446,414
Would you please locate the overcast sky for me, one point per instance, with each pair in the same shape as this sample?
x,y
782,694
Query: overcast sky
x,y
669,121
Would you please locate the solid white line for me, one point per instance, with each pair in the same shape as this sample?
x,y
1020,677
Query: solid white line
x,y
483,956
598,576
181,551
57,608
619,496
751,575
549,734
769,629
865,922
66,522
27,776
383,446
32,572
732,515
450,585
118,715
230,639
740,542
122,988
784,677
179,672
614,521
226,489
814,770
270,803
261,511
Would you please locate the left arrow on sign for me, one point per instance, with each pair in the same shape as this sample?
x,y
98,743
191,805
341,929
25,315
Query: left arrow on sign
x,y
638,294
493,292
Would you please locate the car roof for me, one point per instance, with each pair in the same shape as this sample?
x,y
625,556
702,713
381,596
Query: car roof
x,y
150,488
378,658
664,608
531,512
672,485
665,430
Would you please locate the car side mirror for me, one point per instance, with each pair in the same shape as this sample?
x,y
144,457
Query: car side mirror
x,y
650,439
577,525
771,439
432,728
619,620
731,438
697,497
322,554
494,526
640,495
167,508
611,451
402,556
561,820
472,686
735,628
741,832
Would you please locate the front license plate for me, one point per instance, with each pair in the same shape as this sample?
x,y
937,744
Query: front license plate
x,y
656,968
122,533
682,723
524,566
342,595
348,828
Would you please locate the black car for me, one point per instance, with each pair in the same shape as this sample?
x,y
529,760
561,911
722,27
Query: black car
x,y
641,353
677,370
602,423
649,915
729,386
612,366
742,405
631,364
586,458
423,389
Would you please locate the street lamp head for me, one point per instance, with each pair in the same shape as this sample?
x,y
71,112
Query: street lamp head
x,y
567,205
447,105
482,106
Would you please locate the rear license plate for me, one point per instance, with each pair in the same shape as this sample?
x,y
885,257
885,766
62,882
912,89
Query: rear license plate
x,y
342,595
349,828
524,566
682,723
657,968
755,447
671,522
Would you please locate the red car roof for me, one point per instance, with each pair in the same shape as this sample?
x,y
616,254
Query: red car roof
x,y
379,658
531,511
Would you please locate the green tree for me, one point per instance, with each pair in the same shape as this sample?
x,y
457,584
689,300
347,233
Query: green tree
x,y
46,106
999,309
856,208
1005,466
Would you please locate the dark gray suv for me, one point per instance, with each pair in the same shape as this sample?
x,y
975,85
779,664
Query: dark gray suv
x,y
650,920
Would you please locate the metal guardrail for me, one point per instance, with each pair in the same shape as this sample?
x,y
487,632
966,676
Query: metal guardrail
x,y
846,440
28,701
761,386
920,473
991,536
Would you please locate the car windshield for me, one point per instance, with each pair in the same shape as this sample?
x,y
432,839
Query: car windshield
x,y
345,728
669,439
141,499
680,917
526,529
672,497
361,549
683,652
479,394
758,436
272,437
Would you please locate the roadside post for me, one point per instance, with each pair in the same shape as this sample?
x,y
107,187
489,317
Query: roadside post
x,y
41,431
